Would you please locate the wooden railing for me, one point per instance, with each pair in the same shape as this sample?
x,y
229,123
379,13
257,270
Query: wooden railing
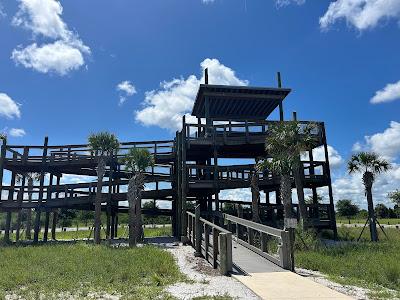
x,y
210,241
269,242
246,128
71,153
243,172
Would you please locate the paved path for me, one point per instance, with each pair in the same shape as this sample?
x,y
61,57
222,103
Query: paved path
x,y
270,281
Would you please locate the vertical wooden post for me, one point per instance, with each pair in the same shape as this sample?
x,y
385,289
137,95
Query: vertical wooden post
x,y
281,116
225,253
184,181
55,213
284,251
198,232
20,199
40,198
10,199
206,75
47,215
331,203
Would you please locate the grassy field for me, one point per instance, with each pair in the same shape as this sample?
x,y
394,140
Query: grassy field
x,y
372,265
52,270
362,221
84,234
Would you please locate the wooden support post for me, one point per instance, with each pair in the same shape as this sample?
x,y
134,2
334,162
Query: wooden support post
x,y
55,213
2,162
225,253
40,198
198,232
206,75
281,116
10,199
47,216
20,199
284,251
215,247
184,181
240,215
331,203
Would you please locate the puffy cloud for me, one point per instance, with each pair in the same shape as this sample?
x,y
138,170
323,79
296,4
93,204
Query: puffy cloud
x,y
17,132
58,57
386,143
335,159
389,93
351,187
362,14
43,18
127,89
8,107
166,106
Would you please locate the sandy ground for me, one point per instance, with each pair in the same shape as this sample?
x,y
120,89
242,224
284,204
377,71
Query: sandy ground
x,y
206,280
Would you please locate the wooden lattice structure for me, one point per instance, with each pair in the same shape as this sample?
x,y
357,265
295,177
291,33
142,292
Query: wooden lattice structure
x,y
232,123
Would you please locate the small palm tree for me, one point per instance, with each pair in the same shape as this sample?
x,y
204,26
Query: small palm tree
x,y
103,145
136,162
370,164
3,136
32,177
284,143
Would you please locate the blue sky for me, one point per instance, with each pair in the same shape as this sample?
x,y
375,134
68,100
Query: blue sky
x,y
61,64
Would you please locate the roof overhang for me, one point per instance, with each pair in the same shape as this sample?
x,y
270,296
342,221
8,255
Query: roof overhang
x,y
237,102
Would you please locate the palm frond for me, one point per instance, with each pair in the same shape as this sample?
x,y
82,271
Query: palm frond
x,y
138,160
103,143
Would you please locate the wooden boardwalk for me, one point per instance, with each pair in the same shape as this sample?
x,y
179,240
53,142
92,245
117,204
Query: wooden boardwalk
x,y
270,281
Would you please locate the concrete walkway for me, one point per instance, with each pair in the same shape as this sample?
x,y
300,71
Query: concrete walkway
x,y
270,281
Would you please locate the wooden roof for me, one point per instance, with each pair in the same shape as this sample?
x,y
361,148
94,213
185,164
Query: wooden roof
x,y
237,102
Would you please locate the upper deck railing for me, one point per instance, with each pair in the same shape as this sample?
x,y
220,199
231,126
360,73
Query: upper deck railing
x,y
247,129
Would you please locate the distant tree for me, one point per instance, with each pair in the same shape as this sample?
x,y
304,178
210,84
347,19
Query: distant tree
x,y
66,216
136,162
85,216
362,214
395,197
3,136
370,164
103,145
382,211
346,208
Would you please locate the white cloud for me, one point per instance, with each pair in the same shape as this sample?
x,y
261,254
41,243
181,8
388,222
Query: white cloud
x,y
17,132
8,107
335,159
43,18
281,3
386,143
207,1
127,89
166,106
389,93
58,57
351,187
362,14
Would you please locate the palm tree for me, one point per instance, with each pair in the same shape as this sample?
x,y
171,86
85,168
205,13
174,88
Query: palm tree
x,y
284,143
370,164
3,136
136,162
32,177
104,145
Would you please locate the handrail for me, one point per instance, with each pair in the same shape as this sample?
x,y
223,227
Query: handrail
x,y
218,251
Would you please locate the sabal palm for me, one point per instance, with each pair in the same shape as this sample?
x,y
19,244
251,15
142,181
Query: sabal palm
x,y
284,144
370,165
31,177
3,137
136,162
103,145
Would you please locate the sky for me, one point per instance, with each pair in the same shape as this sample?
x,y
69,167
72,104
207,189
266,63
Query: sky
x,y
71,68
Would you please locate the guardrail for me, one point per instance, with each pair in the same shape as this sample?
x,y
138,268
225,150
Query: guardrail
x,y
210,241
261,239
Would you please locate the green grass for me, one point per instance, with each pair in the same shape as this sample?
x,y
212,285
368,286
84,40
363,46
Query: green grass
x,y
362,221
84,234
50,270
367,264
